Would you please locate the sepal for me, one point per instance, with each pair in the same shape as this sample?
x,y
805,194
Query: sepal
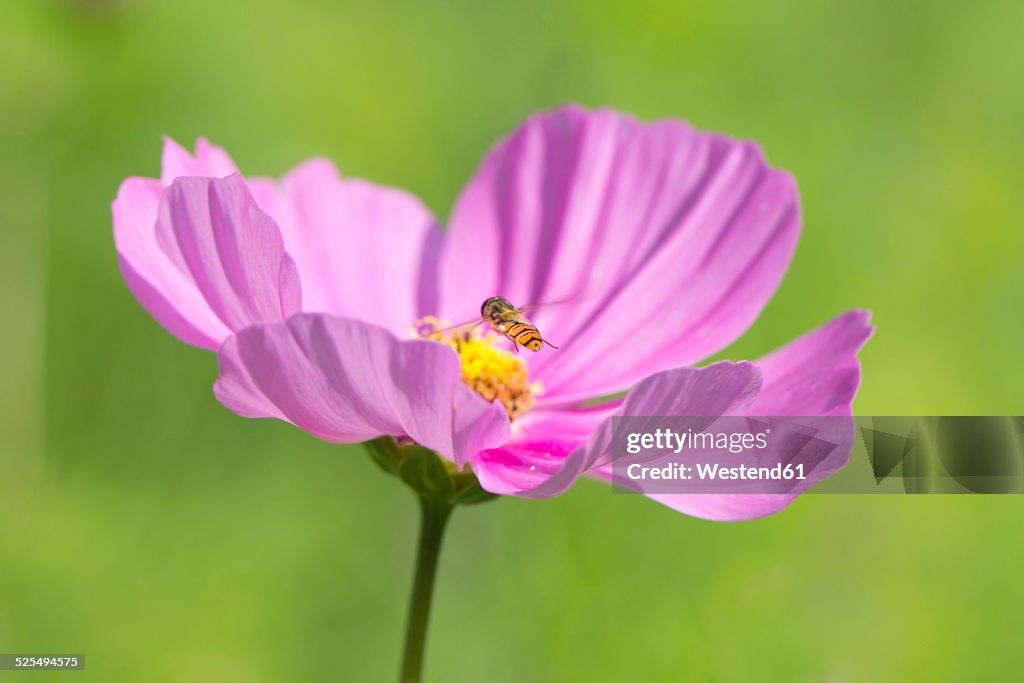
x,y
431,477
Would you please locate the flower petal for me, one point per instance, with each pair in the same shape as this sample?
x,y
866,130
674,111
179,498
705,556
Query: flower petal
x,y
347,381
160,283
543,466
231,251
817,374
168,294
209,161
653,227
365,251
568,421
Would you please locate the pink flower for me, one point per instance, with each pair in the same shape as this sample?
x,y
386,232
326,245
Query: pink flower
x,y
664,243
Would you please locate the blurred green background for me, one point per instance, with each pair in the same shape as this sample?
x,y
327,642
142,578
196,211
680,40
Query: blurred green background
x,y
169,540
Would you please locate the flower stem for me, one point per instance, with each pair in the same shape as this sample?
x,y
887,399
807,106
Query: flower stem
x,y
434,516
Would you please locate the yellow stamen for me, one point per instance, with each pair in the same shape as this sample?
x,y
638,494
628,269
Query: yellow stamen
x,y
492,372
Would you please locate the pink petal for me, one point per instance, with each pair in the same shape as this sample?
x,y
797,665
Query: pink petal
x,y
667,242
230,250
817,374
568,421
346,381
364,251
166,292
722,507
538,466
169,294
209,160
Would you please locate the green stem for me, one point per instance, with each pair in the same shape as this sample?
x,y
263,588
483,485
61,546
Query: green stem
x,y
434,516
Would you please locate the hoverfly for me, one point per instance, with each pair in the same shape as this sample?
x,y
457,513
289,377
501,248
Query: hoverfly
x,y
508,321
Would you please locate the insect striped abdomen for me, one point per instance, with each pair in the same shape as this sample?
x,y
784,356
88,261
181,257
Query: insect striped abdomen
x,y
521,333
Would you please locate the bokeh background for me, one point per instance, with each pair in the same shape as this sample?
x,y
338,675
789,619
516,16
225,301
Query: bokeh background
x,y
169,540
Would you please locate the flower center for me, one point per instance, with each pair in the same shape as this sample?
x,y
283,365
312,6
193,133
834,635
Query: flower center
x,y
492,372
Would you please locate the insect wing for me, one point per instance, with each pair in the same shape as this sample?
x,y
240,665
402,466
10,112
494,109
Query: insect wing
x,y
467,326
544,306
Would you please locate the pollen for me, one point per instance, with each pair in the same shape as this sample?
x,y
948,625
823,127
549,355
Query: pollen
x,y
492,372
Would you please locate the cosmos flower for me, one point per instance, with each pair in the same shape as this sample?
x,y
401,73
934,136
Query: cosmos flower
x,y
658,246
